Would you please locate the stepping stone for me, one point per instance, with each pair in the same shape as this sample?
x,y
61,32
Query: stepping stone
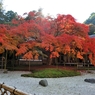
x,y
43,83
90,80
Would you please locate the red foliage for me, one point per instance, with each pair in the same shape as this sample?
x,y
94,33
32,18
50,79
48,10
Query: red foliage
x,y
53,35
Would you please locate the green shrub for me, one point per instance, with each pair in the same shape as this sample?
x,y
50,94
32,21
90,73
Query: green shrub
x,y
52,73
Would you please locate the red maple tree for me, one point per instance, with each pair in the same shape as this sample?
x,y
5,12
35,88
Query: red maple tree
x,y
45,36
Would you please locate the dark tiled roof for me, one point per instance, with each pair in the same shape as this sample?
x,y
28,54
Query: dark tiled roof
x,y
92,36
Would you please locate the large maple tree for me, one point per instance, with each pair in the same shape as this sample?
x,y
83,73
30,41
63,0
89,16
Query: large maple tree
x,y
66,36
8,43
45,36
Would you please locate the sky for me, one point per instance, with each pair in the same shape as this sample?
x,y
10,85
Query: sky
x,y
79,9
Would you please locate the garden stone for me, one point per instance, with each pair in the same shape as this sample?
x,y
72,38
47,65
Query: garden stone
x,y
90,80
5,71
43,83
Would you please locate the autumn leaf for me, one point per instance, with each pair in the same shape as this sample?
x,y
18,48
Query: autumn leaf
x,y
79,55
28,55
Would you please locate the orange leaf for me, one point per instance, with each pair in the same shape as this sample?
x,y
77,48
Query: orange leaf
x,y
28,55
79,55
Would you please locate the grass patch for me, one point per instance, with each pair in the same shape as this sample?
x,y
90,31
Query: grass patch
x,y
52,73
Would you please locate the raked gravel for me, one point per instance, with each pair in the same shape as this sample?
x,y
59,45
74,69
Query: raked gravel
x,y
56,86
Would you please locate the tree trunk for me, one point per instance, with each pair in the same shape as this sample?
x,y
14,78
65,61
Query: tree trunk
x,y
56,61
50,61
5,65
